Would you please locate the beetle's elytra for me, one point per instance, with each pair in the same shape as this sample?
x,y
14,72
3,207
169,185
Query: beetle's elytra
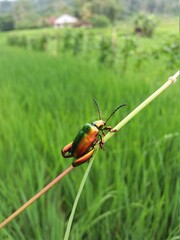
x,y
82,148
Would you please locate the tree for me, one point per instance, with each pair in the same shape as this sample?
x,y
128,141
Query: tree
x,y
100,21
6,23
109,8
145,24
24,14
86,11
112,9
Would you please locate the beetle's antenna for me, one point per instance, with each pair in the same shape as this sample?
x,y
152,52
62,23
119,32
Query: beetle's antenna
x,y
97,108
114,112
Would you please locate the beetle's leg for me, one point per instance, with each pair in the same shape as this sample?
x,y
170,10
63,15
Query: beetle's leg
x,y
83,159
103,132
107,128
113,130
101,142
66,151
110,129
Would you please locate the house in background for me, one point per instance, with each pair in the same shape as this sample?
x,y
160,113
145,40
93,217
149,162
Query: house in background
x,y
65,20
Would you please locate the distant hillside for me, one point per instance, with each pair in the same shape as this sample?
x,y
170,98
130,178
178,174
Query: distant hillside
x,y
36,13
41,7
6,7
79,7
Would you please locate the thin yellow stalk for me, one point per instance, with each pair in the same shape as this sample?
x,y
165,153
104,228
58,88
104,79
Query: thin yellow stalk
x,y
33,199
107,137
171,80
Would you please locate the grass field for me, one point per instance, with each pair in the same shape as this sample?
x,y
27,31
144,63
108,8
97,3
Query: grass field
x,y
133,188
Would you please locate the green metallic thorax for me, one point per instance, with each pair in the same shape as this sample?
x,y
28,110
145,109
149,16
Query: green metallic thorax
x,y
84,140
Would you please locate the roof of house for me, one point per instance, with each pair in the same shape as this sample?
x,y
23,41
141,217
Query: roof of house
x,y
65,19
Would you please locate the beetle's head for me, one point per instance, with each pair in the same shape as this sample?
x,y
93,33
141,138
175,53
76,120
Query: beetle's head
x,y
99,123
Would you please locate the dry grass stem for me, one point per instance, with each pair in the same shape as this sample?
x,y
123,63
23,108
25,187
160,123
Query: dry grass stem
x,y
38,195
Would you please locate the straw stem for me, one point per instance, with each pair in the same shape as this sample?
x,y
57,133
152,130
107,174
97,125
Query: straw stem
x,y
171,80
141,106
107,137
33,199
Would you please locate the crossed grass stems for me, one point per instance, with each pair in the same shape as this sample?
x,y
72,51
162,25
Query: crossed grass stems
x,y
105,138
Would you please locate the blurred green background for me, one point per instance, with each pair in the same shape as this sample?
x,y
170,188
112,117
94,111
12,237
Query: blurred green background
x,y
48,78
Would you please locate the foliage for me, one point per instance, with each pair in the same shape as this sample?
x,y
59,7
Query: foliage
x,y
110,49
107,52
171,48
12,40
35,13
145,24
15,40
67,40
105,48
112,10
78,43
39,43
100,21
6,23
127,50
46,100
86,10
24,14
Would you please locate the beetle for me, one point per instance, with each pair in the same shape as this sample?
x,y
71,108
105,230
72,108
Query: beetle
x,y
82,148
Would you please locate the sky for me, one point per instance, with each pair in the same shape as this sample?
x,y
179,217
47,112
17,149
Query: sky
x,y
7,0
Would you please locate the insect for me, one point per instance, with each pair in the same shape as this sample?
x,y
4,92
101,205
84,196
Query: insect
x,y
82,148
